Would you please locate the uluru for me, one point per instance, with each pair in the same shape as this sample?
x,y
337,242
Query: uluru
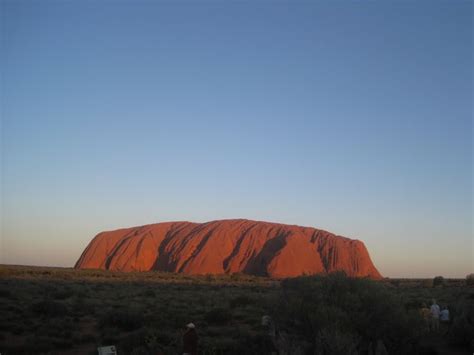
x,y
228,246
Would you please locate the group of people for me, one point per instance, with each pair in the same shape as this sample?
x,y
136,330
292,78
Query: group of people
x,y
435,315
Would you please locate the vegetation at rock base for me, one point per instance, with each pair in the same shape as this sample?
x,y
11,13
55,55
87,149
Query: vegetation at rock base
x,y
328,311
66,311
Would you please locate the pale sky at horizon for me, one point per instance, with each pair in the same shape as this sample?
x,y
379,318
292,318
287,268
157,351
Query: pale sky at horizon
x,y
353,117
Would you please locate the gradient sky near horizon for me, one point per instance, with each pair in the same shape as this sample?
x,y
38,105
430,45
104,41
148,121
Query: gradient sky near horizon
x,y
354,117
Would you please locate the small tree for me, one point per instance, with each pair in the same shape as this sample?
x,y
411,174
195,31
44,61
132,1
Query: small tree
x,y
470,280
438,281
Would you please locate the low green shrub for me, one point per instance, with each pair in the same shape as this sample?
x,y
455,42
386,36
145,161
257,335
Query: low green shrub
x,y
133,340
87,338
49,308
62,294
17,329
82,307
125,320
218,316
5,293
109,336
63,343
335,341
163,337
38,344
395,283
240,301
149,292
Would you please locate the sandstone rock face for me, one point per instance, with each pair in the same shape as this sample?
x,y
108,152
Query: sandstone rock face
x,y
227,246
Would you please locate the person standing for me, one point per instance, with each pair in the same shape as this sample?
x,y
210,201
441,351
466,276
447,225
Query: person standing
x,y
190,340
270,335
444,315
425,313
444,319
435,313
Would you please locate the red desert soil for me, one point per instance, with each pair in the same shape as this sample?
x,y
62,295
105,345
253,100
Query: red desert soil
x,y
227,246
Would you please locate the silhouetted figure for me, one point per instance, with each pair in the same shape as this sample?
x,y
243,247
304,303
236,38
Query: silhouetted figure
x,y
425,313
190,340
445,320
435,312
270,334
444,315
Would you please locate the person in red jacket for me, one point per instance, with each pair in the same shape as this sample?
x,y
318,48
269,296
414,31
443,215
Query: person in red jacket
x,y
190,340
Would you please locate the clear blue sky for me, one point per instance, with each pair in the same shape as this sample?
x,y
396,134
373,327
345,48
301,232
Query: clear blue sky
x,y
354,117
